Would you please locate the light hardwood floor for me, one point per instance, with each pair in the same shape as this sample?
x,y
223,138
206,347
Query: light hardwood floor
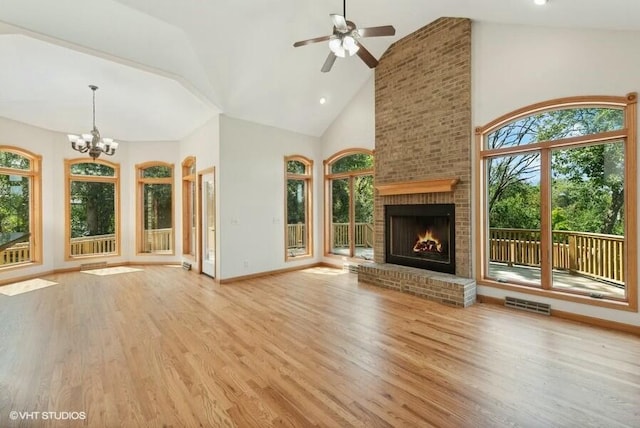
x,y
169,348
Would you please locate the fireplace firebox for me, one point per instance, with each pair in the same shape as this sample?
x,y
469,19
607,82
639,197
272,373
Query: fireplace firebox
x,y
421,236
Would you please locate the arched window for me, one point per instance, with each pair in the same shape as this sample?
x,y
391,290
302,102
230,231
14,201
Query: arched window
x,y
20,207
189,209
558,197
349,204
298,184
155,233
93,208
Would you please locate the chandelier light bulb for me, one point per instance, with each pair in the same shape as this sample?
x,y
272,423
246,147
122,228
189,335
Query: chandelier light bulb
x,y
540,2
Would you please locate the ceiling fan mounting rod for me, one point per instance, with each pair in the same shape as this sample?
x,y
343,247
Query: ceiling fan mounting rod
x,y
344,9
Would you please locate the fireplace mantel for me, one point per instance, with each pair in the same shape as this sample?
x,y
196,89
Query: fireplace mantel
x,y
414,187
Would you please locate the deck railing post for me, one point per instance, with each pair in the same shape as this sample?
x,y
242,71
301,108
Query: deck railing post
x,y
573,254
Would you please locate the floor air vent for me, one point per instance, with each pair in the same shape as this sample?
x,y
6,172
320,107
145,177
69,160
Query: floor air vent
x,y
186,265
90,266
527,305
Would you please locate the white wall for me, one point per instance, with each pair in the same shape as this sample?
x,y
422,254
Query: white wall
x,y
204,144
514,66
252,196
355,126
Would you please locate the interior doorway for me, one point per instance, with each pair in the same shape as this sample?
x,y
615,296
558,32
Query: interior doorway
x,y
207,221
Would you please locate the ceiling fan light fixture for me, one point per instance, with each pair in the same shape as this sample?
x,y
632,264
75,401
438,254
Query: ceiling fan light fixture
x,y
350,45
345,40
336,47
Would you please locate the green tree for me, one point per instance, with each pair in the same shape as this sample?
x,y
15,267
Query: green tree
x,y
596,172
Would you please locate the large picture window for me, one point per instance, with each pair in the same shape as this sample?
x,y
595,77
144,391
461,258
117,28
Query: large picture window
x,y
298,233
155,208
20,207
189,208
349,212
557,201
92,195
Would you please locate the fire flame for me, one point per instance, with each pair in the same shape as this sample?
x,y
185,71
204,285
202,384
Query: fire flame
x,y
427,242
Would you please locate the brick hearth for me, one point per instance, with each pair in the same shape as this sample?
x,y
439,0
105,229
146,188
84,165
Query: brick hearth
x,y
439,287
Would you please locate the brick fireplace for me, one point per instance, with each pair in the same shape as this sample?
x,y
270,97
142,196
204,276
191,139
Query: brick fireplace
x,y
423,152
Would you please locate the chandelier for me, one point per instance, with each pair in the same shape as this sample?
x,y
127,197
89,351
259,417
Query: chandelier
x,y
93,142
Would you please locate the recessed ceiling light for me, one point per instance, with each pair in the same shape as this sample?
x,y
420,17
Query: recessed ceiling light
x,y
323,100
540,2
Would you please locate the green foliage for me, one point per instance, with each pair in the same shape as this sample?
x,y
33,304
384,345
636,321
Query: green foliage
x,y
363,198
340,200
518,208
354,162
362,189
157,171
555,125
296,195
157,206
587,182
296,167
92,208
14,161
14,203
92,168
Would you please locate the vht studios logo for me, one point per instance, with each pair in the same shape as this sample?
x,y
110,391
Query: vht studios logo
x,y
57,416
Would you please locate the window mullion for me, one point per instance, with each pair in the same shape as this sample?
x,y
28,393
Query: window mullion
x,y
546,238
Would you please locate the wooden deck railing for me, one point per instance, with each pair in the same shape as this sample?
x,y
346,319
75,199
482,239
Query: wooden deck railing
x,y
158,240
18,253
592,254
154,241
363,235
296,235
99,244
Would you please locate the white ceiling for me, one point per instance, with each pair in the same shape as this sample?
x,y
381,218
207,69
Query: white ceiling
x,y
164,67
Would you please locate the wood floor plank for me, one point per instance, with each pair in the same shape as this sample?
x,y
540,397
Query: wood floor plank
x,y
169,348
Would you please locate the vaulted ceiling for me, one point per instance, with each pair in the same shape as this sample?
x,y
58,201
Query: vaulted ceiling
x,y
164,67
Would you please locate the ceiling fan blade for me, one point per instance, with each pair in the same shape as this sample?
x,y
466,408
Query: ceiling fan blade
x,y
328,63
366,56
309,41
339,22
385,30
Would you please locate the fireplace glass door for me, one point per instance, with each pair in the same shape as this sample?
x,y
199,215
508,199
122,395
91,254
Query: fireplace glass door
x,y
421,236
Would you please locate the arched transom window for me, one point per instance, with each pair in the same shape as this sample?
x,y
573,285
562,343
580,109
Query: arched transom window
x,y
557,201
349,204
20,208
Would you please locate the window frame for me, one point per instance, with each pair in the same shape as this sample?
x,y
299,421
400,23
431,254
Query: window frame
x,y
140,182
627,134
189,202
349,175
69,178
34,173
307,177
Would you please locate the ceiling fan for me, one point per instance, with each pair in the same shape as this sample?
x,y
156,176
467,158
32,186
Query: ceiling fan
x,y
345,40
